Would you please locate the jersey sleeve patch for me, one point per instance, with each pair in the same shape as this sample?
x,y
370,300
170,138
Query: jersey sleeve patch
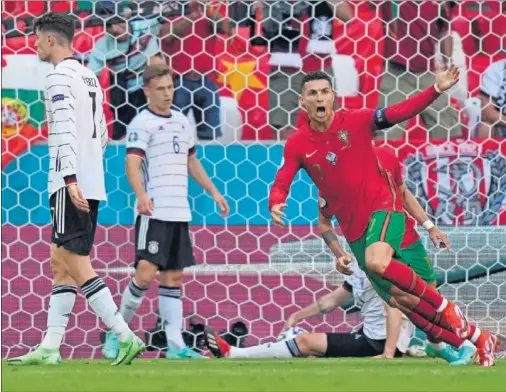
x,y
133,137
380,119
57,97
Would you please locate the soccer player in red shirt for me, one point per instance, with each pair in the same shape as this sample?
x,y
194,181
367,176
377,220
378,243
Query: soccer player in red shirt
x,y
335,148
414,254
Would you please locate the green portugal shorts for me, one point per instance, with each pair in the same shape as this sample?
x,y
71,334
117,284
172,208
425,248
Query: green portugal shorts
x,y
389,227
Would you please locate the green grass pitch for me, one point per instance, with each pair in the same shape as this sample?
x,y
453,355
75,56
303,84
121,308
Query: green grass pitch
x,y
358,375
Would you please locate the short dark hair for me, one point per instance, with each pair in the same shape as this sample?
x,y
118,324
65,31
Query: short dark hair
x,y
316,75
155,71
56,22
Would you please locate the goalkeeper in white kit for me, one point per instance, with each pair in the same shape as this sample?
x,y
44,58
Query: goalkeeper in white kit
x,y
76,185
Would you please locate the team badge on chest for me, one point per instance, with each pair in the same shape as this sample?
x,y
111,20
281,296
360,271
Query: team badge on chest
x,y
344,137
331,158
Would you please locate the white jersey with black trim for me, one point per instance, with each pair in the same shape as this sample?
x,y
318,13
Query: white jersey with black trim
x,y
164,143
373,310
77,130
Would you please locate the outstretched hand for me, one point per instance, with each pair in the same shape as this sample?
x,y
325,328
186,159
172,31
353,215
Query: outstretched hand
x,y
446,78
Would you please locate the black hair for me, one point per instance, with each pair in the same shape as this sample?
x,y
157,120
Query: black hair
x,y
56,22
316,75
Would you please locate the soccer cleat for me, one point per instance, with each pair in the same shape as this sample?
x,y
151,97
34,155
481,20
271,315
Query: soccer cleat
x,y
486,344
455,320
466,354
215,343
38,356
183,353
129,350
448,353
110,348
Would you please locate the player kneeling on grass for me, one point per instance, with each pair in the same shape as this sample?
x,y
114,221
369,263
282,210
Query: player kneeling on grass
x,y
160,155
385,332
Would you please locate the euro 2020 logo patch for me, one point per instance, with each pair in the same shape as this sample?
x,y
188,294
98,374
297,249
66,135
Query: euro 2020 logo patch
x,y
133,137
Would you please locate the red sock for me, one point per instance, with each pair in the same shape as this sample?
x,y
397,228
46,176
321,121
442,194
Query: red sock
x,y
434,333
426,310
406,279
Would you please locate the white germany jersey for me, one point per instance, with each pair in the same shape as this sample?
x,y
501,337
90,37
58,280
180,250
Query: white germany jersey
x,y
77,131
373,310
165,142
494,86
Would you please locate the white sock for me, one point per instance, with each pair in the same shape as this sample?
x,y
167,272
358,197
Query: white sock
x,y
171,310
100,299
436,346
131,299
476,335
61,303
444,304
284,349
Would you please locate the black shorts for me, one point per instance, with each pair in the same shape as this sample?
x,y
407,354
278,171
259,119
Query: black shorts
x,y
72,228
354,345
165,244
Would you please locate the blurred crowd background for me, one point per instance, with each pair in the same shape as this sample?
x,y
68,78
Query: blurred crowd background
x,y
238,64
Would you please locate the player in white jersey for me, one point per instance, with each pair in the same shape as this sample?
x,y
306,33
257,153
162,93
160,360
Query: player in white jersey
x,y
160,156
77,137
382,334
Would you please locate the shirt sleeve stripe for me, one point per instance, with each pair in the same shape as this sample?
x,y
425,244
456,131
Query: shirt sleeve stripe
x,y
136,151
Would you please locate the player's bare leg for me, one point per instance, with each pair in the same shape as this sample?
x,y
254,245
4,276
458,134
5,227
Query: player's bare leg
x,y
100,299
379,260
171,310
61,303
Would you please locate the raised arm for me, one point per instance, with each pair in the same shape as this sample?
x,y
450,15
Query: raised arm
x,y
284,178
395,114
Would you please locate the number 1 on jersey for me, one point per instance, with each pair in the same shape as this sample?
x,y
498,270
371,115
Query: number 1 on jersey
x,y
93,96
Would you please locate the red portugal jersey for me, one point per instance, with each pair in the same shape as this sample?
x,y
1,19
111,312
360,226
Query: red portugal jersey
x,y
342,164
391,164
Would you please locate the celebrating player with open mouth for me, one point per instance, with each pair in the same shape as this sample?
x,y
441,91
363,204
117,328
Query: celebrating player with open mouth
x,y
414,253
335,148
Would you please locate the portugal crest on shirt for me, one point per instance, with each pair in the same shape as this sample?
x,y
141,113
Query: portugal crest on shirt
x,y
331,158
344,137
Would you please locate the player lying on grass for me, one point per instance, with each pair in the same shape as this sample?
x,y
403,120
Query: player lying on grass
x,y
76,185
385,332
335,149
413,252
161,154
